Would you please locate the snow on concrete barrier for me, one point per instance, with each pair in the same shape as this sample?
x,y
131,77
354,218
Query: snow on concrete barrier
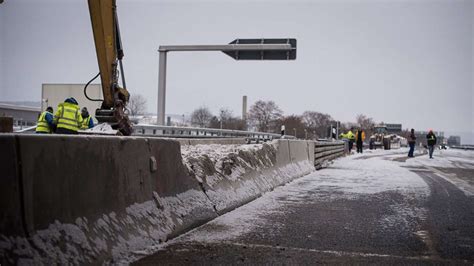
x,y
246,173
222,141
95,199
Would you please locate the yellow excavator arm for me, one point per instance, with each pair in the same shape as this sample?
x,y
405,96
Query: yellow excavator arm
x,y
108,46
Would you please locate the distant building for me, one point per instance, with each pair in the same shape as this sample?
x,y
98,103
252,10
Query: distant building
x,y
454,140
394,128
53,94
22,115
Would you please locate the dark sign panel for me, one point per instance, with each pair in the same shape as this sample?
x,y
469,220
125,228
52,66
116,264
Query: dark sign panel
x,y
264,55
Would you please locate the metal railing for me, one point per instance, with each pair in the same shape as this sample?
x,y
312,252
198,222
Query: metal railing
x,y
327,150
463,147
196,132
191,132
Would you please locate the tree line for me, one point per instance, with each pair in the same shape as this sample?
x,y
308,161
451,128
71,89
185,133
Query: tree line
x,y
267,116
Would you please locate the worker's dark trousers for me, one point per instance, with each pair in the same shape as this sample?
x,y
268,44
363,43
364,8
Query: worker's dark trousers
x,y
430,150
61,130
412,149
359,146
351,143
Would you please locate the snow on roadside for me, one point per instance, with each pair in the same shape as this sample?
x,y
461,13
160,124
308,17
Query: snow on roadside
x,y
369,176
346,178
444,158
451,158
351,177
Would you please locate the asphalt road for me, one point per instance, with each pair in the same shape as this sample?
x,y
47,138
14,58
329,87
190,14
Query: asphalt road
x,y
373,210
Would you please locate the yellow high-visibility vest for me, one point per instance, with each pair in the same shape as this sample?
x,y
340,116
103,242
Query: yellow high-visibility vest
x,y
350,135
85,122
42,124
68,116
363,135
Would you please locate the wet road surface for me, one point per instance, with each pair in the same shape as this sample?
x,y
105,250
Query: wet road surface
x,y
376,210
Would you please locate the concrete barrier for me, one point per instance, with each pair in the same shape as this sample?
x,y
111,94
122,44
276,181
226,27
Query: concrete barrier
x,y
282,156
298,150
11,222
239,178
311,150
94,199
6,124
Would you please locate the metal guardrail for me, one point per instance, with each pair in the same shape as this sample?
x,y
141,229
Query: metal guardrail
x,y
191,132
326,151
463,147
196,132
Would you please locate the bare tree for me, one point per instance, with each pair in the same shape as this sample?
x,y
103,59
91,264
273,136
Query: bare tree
x,y
236,123
366,123
347,126
293,126
227,121
201,117
263,114
225,114
317,123
136,105
214,122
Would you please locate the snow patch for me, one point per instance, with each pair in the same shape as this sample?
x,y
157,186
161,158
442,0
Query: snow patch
x,y
346,178
103,128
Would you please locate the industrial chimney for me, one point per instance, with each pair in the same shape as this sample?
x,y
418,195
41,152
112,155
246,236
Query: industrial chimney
x,y
244,108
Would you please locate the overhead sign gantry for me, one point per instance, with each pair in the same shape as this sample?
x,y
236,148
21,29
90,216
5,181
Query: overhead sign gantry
x,y
239,49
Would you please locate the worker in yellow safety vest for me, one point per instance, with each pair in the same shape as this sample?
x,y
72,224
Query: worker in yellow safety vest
x,y
68,117
45,123
87,121
351,137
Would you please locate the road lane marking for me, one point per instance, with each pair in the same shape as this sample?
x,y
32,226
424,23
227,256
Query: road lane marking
x,y
426,238
338,252
453,179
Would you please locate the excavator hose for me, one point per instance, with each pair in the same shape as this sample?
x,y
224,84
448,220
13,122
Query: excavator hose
x,y
85,89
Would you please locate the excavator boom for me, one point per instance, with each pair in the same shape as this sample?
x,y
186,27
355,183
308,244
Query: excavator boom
x,y
109,51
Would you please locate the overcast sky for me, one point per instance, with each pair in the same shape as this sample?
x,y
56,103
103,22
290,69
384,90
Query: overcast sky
x,y
409,62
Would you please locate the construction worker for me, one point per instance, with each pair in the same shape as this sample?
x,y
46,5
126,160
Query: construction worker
x,y
87,121
68,117
351,138
431,141
360,137
45,123
411,142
